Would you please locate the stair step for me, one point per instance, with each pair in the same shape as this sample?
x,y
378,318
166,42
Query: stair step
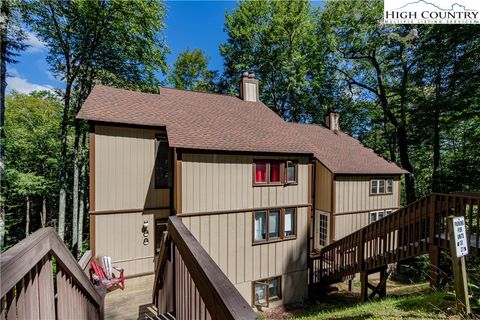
x,y
164,316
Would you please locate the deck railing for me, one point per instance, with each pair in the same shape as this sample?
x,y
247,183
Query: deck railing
x,y
403,234
28,289
189,284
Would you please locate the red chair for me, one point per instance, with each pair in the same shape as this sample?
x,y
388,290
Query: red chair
x,y
99,276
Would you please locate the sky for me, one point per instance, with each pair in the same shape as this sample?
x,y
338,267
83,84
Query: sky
x,y
190,24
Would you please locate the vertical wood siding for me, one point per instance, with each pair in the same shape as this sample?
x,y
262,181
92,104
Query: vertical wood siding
x,y
348,223
124,169
124,179
120,236
228,240
224,182
352,194
323,188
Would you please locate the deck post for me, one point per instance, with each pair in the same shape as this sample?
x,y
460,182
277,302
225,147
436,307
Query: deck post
x,y
434,274
383,282
364,286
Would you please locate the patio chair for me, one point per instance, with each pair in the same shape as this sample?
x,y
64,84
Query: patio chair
x,y
104,276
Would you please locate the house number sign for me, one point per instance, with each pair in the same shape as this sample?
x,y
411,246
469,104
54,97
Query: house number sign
x,y
460,234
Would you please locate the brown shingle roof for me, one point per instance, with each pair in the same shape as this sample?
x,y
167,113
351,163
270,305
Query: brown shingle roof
x,y
207,121
341,153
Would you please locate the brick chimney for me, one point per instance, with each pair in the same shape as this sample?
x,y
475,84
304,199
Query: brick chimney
x,y
249,87
332,121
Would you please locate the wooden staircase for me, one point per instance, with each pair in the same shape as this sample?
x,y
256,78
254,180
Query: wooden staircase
x,y
416,229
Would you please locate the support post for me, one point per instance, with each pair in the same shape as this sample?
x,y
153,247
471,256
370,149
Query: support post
x,y
459,271
364,286
434,274
383,282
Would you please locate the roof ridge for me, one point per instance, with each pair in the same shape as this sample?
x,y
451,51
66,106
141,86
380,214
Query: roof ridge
x,y
202,92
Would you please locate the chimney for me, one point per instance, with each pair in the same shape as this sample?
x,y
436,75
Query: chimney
x,y
332,121
249,87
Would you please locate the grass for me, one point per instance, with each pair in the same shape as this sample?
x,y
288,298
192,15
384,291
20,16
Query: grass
x,y
412,301
427,306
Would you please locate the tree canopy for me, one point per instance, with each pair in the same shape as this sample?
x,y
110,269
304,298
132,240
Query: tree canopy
x,y
190,72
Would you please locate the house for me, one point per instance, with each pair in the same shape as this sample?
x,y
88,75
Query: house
x,y
244,182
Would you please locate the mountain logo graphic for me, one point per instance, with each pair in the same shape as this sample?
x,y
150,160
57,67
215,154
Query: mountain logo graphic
x,y
434,6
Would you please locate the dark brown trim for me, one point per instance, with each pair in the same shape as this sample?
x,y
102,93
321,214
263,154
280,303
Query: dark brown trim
x,y
232,152
134,210
289,183
128,125
332,214
92,188
364,211
178,184
194,214
310,209
372,174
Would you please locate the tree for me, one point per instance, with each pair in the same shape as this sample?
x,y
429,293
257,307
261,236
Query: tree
x,y
96,41
378,61
272,39
12,38
32,150
190,72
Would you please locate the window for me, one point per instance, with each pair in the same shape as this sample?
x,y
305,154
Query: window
x,y
376,215
389,186
323,229
260,226
260,172
273,172
381,186
291,174
162,163
266,290
273,224
387,212
280,224
289,224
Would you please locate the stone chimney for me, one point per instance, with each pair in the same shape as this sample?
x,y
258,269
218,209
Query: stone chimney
x,y
332,121
249,87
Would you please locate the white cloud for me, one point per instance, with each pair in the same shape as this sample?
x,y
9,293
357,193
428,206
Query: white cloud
x,y
16,82
34,44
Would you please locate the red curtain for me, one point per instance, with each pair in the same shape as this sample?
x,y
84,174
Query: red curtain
x,y
274,172
261,172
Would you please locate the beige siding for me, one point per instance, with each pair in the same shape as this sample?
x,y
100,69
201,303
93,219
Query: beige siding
x,y
120,236
124,180
124,169
323,188
352,194
348,223
228,240
224,182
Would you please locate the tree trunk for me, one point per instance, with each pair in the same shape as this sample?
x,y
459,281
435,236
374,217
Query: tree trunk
x,y
27,216
81,197
75,184
436,134
43,215
3,86
63,163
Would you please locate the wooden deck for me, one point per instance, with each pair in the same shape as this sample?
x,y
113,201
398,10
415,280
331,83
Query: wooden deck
x,y
135,302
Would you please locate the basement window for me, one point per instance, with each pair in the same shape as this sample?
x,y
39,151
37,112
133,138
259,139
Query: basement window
x,y
376,215
266,290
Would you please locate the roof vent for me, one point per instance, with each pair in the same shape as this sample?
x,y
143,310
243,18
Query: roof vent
x,y
249,87
332,121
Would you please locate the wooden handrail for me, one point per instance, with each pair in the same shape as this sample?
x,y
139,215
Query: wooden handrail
x,y
402,234
220,297
21,259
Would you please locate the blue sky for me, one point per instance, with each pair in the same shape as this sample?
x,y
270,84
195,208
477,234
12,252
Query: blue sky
x,y
190,24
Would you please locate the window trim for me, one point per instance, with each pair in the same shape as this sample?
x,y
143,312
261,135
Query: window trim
x,y
293,182
156,235
281,222
283,173
170,171
376,215
385,181
265,281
